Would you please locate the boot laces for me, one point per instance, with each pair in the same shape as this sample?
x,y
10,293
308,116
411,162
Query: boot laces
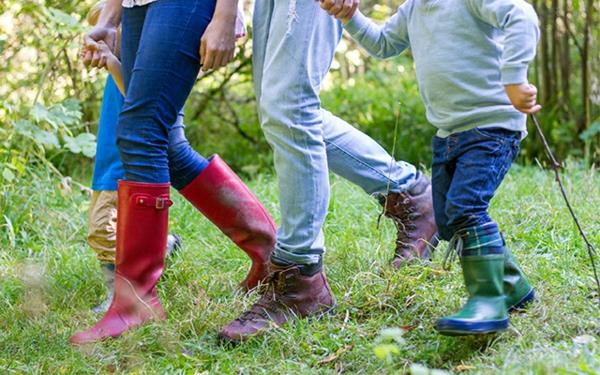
x,y
269,301
404,219
454,250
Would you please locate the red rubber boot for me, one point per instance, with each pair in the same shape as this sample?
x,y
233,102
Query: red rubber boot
x,y
142,228
225,200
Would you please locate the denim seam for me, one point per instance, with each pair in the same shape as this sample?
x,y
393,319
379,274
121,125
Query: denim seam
x,y
369,167
456,156
499,161
297,98
494,164
303,64
172,58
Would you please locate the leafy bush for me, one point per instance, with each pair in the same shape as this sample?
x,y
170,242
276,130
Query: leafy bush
x,y
50,102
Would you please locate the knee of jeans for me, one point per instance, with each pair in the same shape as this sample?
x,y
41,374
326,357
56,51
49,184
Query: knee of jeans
x,y
177,140
288,124
142,154
271,114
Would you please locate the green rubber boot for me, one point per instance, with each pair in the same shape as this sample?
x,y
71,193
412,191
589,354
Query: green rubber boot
x,y
519,293
482,258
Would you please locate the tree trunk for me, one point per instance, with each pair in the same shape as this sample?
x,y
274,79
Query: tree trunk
x,y
585,67
545,55
565,60
555,46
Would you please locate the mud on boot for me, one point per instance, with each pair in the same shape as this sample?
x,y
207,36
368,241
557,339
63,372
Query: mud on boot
x,y
222,197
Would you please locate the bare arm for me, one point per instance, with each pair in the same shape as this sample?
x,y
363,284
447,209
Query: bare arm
x,y
111,14
105,30
114,68
111,62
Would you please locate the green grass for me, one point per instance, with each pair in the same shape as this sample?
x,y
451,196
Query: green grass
x,y
49,280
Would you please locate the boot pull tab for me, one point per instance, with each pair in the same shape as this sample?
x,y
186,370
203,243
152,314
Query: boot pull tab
x,y
159,203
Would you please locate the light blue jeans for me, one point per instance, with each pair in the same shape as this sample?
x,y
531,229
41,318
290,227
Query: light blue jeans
x,y
294,42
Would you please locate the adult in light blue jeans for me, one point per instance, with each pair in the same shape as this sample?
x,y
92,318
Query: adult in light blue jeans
x,y
294,44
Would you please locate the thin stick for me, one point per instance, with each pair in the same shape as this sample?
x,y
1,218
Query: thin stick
x,y
556,167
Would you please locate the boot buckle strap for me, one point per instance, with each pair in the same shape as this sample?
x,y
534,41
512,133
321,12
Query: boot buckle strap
x,y
158,203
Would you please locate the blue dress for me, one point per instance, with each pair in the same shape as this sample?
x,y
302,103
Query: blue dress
x,y
108,169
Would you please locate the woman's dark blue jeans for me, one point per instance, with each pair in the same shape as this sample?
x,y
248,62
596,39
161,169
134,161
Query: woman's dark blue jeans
x,y
467,169
160,62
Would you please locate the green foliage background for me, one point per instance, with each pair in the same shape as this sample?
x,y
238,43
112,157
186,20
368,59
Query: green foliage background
x,y
50,103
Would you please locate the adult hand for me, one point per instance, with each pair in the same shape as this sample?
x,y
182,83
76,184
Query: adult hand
x,y
217,46
523,97
90,49
340,9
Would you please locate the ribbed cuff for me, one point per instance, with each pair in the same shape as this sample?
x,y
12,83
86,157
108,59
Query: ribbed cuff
x,y
513,75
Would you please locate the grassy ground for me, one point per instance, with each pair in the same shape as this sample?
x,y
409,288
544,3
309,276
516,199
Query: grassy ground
x,y
49,280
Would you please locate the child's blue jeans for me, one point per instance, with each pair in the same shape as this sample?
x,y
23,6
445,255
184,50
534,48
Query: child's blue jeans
x,y
160,62
467,169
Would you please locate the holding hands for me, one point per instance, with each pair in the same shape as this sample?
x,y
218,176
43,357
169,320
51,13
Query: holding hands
x,y
98,54
523,97
340,9
91,53
217,47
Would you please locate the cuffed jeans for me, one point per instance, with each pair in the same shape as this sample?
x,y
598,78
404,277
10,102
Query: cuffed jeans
x,y
160,62
293,47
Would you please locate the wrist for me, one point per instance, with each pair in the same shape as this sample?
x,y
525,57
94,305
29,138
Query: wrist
x,y
106,25
226,17
110,19
226,11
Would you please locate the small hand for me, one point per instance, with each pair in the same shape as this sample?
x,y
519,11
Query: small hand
x,y
89,52
105,53
340,9
217,46
523,97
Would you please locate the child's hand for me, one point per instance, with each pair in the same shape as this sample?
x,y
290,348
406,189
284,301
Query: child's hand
x,y
340,9
91,39
105,54
523,97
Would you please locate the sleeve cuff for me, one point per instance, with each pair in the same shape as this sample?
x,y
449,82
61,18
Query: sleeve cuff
x,y
514,75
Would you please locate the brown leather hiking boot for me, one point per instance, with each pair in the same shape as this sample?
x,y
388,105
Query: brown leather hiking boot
x,y
412,213
288,293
